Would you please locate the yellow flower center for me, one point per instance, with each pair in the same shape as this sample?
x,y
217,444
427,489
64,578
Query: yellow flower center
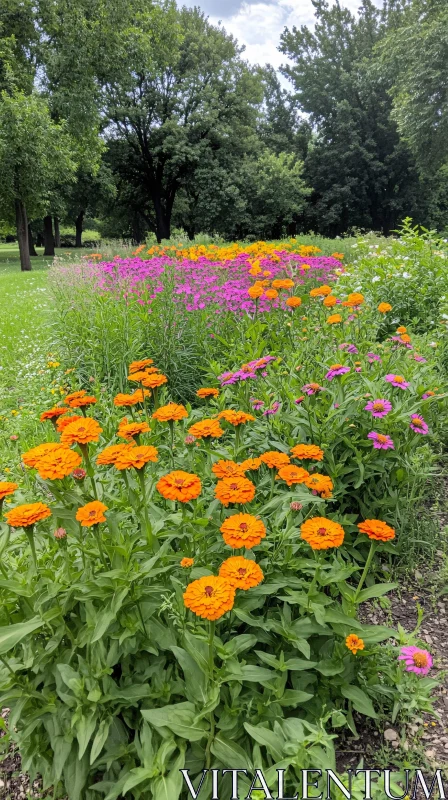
x,y
378,406
398,379
381,438
417,422
420,660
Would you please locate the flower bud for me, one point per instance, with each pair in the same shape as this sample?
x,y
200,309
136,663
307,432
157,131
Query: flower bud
x,y
79,474
295,506
189,439
14,437
60,533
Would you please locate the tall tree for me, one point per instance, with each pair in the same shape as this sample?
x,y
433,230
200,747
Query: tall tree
x,y
362,173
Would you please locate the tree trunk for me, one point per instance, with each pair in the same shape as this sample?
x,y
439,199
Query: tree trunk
x,y
22,236
31,248
163,224
78,224
57,233
48,236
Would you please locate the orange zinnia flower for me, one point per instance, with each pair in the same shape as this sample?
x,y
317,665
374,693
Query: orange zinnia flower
x,y
227,469
243,530
209,597
401,329
136,366
7,487
179,485
127,430
57,464
293,302
309,452
91,514
255,291
405,338
207,392
206,428
75,396
82,431
241,572
110,454
271,294
170,413
274,459
355,299
128,399
138,376
282,283
32,457
26,515
80,402
52,413
330,301
292,474
383,308
136,457
251,464
354,643
187,562
333,319
321,484
320,291
235,417
153,381
377,530
322,533
234,490
67,419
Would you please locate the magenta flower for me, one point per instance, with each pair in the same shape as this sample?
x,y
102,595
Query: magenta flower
x,y
273,410
299,400
416,660
349,347
420,359
418,424
256,404
379,408
381,441
397,380
371,357
424,397
335,370
312,388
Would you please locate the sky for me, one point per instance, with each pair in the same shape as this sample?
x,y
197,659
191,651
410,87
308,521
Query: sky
x,y
258,23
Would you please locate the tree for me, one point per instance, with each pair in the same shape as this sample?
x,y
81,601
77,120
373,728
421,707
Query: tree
x,y
362,174
281,127
35,152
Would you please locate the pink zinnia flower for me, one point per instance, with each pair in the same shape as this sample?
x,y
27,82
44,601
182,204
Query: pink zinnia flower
x,y
416,660
397,380
418,424
299,400
335,370
379,408
312,388
256,404
381,441
349,347
371,357
420,359
273,410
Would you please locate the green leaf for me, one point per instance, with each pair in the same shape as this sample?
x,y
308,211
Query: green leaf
x,y
250,673
372,634
330,666
100,739
195,679
84,732
361,701
294,697
267,738
169,787
179,718
13,634
229,752
109,614
136,776
299,664
376,591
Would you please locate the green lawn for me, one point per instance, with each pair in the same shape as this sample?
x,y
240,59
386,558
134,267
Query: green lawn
x,y
10,259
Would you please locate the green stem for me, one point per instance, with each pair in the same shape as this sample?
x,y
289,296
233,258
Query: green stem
x,y
237,440
29,530
89,468
316,576
272,484
171,424
211,666
148,526
5,663
365,570
96,532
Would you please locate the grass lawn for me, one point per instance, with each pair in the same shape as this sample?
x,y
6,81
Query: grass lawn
x,y
10,259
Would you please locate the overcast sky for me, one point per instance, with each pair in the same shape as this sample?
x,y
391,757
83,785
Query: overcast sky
x,y
259,23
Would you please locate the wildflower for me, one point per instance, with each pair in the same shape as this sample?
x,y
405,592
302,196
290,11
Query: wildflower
x,y
255,291
74,396
127,430
397,380
292,474
274,459
424,396
293,302
419,359
322,533
110,454
52,413
154,381
379,408
295,506
32,457
339,256
354,643
179,485
307,451
241,572
207,428
60,533
187,562
383,308
405,338
243,530
273,410
381,441
320,484
271,294
67,419
312,388
91,514
251,464
140,375
80,402
416,660
128,400
27,514
333,319
283,283
299,400
371,357
320,291
335,370
330,301
234,490
14,437
189,439
209,597
207,392
350,348
401,329
82,431
137,366
418,424
355,299
173,412
79,474
235,417
377,530
256,404
227,469
6,488
136,457
56,464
